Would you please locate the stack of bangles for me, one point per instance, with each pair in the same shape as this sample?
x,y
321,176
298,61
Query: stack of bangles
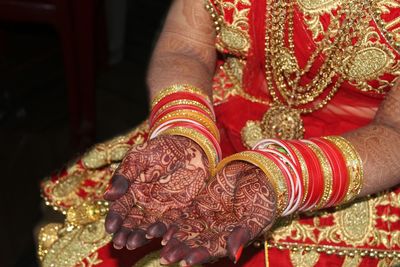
x,y
186,111
307,174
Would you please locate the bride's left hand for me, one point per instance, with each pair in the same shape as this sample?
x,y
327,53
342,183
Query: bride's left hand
x,y
233,209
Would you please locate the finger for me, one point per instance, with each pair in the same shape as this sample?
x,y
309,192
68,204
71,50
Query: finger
x,y
119,186
173,252
120,238
196,256
133,163
156,230
113,222
237,240
136,239
213,241
118,212
169,234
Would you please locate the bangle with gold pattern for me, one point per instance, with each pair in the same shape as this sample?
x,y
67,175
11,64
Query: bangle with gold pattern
x,y
193,115
179,88
326,172
199,139
354,166
185,102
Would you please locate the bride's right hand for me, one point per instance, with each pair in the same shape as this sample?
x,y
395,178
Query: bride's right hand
x,y
155,179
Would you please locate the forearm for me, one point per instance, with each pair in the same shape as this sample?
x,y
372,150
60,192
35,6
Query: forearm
x,y
185,52
379,146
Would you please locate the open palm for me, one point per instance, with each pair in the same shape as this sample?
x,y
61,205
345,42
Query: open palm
x,y
154,180
233,209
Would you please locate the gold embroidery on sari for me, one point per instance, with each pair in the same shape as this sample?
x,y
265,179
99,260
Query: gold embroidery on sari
x,y
389,263
233,69
67,192
352,261
389,28
352,227
75,244
113,150
228,80
87,213
302,258
232,36
313,9
48,235
77,240
372,59
90,261
233,39
153,260
96,169
318,6
337,250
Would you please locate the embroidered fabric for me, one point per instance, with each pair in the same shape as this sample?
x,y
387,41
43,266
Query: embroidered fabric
x,y
366,233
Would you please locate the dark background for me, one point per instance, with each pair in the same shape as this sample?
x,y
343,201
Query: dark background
x,y
35,137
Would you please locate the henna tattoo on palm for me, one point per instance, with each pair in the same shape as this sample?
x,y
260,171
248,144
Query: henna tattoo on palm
x,y
153,182
232,210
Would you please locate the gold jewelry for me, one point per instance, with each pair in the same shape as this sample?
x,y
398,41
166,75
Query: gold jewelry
x,y
178,88
193,115
271,170
354,166
327,174
199,139
185,102
283,120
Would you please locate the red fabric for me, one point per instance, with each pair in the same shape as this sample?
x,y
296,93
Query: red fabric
x,y
350,109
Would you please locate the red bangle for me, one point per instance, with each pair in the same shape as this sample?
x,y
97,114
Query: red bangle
x,y
336,179
343,175
204,131
179,96
162,127
174,108
316,180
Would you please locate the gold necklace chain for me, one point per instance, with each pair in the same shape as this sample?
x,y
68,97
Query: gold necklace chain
x,y
284,76
333,53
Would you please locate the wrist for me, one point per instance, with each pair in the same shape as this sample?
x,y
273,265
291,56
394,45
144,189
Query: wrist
x,y
307,174
327,171
186,111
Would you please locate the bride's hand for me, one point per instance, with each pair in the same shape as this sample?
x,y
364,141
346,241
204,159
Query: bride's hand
x,y
232,210
156,178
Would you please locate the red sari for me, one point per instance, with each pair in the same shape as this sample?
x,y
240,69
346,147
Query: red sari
x,y
365,233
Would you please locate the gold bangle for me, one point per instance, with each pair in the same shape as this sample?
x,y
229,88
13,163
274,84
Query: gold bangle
x,y
185,102
354,166
304,172
193,115
199,139
327,174
178,88
271,170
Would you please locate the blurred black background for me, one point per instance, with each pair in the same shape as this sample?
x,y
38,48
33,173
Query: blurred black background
x,y
36,134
